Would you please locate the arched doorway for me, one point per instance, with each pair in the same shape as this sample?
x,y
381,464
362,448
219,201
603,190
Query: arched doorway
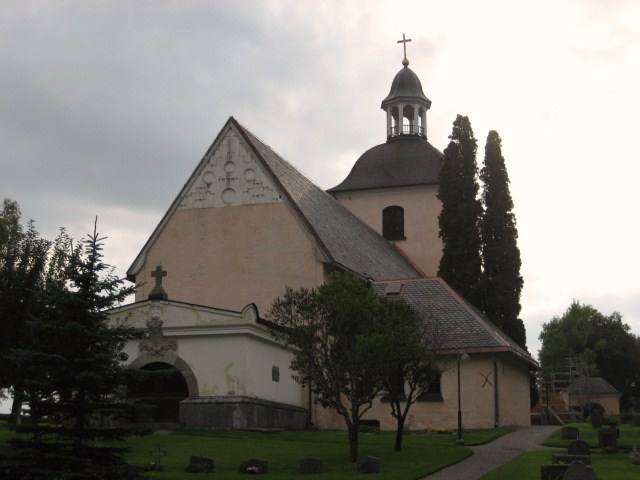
x,y
161,387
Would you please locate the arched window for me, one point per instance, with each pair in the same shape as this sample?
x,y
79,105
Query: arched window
x,y
393,223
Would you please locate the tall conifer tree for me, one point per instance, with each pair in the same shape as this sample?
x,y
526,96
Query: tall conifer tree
x,y
501,282
459,220
74,375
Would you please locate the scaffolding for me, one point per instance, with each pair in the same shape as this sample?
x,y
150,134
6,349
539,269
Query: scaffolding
x,y
564,396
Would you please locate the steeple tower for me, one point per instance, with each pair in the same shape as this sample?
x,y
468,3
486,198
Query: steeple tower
x,y
406,105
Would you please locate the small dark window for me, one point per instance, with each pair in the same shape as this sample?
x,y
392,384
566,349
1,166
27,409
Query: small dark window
x,y
393,223
432,393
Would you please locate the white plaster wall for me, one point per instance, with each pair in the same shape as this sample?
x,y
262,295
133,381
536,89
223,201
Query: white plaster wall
x,y
232,256
229,353
421,210
261,358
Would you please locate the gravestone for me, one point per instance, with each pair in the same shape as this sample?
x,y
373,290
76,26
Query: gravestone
x,y
254,466
578,447
368,465
579,471
553,472
607,439
597,417
369,426
634,456
569,433
310,465
200,465
569,459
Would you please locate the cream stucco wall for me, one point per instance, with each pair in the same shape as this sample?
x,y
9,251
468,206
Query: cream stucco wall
x,y
232,256
421,210
477,398
610,402
513,391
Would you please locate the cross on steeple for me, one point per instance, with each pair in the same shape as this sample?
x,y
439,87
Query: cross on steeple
x,y
158,292
404,45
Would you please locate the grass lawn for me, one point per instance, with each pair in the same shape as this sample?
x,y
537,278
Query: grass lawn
x,y
422,453
607,466
629,436
526,466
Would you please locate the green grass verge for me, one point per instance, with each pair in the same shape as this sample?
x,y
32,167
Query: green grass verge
x,y
526,466
422,454
607,466
629,436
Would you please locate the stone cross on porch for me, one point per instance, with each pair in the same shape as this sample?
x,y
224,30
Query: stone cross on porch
x,y
158,292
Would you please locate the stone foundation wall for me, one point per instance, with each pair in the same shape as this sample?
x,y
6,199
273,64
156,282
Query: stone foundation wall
x,y
237,412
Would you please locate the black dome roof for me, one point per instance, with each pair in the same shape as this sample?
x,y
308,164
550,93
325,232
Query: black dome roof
x,y
405,84
402,161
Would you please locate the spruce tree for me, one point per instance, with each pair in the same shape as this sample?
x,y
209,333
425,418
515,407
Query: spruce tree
x,y
459,220
501,282
74,370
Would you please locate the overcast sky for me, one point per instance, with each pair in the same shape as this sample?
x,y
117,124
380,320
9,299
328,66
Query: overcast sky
x,y
106,107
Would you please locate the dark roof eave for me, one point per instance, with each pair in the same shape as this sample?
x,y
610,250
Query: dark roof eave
x,y
338,189
471,350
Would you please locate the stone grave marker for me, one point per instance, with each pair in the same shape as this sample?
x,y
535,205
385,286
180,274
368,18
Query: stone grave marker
x,y
578,447
597,417
368,465
310,465
569,433
369,426
607,439
553,472
568,459
579,471
200,465
254,466
634,456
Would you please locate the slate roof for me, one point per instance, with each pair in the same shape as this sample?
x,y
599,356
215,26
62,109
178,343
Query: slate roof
x,y
344,239
405,84
401,161
592,386
456,324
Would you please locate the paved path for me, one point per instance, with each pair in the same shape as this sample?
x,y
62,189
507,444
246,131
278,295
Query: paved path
x,y
491,455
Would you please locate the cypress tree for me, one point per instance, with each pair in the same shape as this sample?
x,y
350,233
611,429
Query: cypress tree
x,y
501,282
459,220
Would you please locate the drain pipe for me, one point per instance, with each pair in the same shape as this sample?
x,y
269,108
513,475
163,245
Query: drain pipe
x,y
496,420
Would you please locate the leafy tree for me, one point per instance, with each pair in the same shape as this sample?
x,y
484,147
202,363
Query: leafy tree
x,y
407,367
24,269
459,220
335,333
501,280
74,369
605,343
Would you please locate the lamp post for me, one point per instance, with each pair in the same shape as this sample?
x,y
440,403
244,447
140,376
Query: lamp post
x,y
460,357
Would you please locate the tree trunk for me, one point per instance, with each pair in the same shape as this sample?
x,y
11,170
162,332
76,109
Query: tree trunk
x,y
353,442
401,417
16,407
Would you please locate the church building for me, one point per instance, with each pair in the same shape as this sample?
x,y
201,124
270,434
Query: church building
x,y
247,224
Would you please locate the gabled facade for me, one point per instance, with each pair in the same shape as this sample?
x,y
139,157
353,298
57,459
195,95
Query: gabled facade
x,y
247,224
247,217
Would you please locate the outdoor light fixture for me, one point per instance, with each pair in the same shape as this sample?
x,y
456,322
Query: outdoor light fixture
x,y
461,357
